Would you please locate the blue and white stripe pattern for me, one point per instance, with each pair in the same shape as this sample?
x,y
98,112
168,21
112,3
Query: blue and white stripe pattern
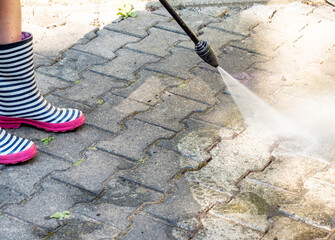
x,y
10,144
19,95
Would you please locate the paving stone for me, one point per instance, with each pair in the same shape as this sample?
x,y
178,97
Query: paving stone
x,y
128,62
178,64
285,228
93,85
231,159
241,22
61,38
288,172
132,142
148,88
157,171
66,103
193,142
82,228
47,84
9,195
42,61
179,208
117,204
317,46
194,20
211,77
235,60
225,113
72,63
158,42
217,228
324,12
97,167
13,229
23,178
171,112
106,43
148,228
199,89
316,207
216,38
109,115
67,146
137,26
54,197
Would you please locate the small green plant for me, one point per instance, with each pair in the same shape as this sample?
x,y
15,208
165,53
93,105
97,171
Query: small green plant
x,y
141,160
61,215
100,101
126,10
46,141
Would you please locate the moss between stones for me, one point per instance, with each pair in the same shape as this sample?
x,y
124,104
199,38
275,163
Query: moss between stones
x,y
310,235
263,208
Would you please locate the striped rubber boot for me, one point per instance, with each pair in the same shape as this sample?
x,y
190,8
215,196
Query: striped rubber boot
x,y
20,99
15,149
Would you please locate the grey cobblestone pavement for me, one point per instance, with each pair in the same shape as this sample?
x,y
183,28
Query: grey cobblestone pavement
x,y
164,153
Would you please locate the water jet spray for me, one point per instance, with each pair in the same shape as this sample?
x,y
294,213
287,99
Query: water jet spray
x,y
202,48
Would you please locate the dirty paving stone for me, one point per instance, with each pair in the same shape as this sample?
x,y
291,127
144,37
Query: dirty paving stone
x,y
148,87
117,204
128,62
13,229
47,84
131,142
288,229
93,85
23,177
156,171
54,197
171,111
193,20
8,196
92,170
110,114
72,63
137,26
179,208
77,227
225,113
146,227
157,43
178,64
106,43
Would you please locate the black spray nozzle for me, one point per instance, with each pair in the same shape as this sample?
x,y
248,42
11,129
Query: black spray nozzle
x,y
201,47
206,53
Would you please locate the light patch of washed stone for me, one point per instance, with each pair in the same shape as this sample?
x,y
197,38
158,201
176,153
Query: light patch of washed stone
x,y
316,207
216,228
288,229
289,172
231,160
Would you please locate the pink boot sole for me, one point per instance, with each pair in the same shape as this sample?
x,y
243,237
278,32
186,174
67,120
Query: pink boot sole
x,y
11,122
19,157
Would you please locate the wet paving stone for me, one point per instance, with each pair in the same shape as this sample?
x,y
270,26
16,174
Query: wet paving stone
x,y
179,208
146,227
92,171
77,227
53,197
13,229
138,135
120,201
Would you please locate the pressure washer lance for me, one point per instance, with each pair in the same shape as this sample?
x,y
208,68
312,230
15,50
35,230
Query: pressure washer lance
x,y
201,47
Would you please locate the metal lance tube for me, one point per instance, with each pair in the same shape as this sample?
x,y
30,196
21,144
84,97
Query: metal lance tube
x,y
202,48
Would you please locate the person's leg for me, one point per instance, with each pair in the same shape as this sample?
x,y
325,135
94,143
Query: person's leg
x,y
10,21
